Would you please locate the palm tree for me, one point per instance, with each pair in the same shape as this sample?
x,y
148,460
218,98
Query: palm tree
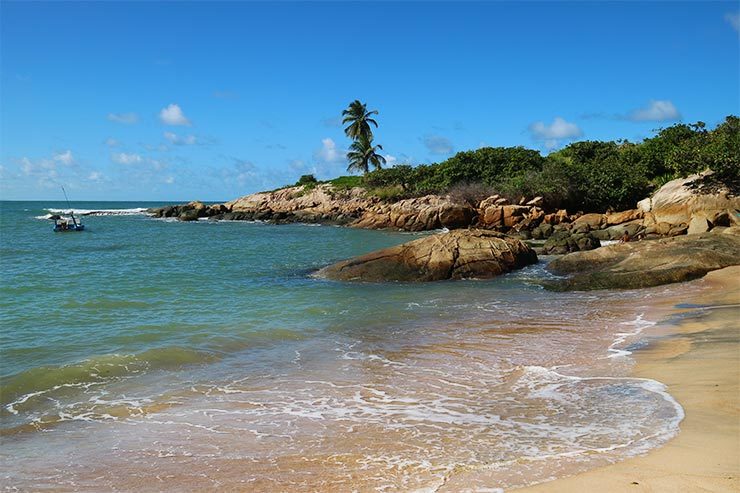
x,y
359,121
362,153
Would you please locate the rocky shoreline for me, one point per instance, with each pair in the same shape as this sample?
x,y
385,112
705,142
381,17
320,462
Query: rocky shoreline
x,y
492,229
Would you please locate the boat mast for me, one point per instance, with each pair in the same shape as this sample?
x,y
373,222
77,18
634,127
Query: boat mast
x,y
71,212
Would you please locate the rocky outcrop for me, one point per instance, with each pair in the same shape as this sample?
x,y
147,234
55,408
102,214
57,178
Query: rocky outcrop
x,y
681,200
460,254
678,208
418,214
648,263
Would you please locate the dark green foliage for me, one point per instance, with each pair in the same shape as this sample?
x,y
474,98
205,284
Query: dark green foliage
x,y
588,175
306,180
362,153
401,175
601,175
359,119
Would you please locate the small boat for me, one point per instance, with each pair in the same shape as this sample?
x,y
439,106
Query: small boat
x,y
62,223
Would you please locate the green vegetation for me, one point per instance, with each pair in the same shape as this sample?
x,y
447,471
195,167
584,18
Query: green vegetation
x,y
587,176
362,152
591,176
306,180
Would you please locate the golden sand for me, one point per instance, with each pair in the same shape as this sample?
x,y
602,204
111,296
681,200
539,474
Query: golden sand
x,y
699,360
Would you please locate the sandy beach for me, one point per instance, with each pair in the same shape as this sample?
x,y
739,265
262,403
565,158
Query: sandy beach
x,y
696,353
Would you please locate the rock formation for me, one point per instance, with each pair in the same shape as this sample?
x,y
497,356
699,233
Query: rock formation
x,y
459,254
648,263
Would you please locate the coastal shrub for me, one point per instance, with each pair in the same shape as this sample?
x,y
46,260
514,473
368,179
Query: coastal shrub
x,y
552,183
590,175
400,175
599,177
390,193
345,182
471,193
306,180
485,165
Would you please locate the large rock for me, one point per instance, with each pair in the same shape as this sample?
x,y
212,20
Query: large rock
x,y
648,263
418,214
563,242
459,254
678,201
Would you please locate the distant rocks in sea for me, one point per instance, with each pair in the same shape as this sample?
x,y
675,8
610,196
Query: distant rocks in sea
x,y
459,254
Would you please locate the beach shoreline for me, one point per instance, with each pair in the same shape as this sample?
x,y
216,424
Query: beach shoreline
x,y
695,351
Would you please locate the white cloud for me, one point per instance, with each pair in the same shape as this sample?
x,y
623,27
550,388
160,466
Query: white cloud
x,y
125,118
655,111
178,140
558,129
438,144
551,135
65,157
111,142
169,180
329,152
734,19
243,172
173,115
123,158
50,171
95,176
390,161
158,147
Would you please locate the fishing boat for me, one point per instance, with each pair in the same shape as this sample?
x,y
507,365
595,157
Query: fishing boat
x,y
63,223
70,223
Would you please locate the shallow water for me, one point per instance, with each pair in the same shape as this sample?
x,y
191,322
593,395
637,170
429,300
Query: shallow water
x,y
145,354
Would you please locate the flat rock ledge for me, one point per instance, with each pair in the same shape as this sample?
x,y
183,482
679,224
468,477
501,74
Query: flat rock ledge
x,y
459,254
647,263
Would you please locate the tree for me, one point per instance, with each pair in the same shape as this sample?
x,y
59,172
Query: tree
x,y
362,153
358,117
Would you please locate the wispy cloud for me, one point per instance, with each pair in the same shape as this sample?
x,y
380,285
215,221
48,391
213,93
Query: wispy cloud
x,y
49,172
551,135
438,144
65,157
329,153
242,172
734,19
178,140
111,142
125,158
655,111
125,118
173,115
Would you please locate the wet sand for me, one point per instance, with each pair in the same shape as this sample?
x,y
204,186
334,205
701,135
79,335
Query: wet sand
x,y
698,359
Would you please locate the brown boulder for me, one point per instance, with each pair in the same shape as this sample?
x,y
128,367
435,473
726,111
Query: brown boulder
x,y
647,263
590,221
623,217
679,200
699,224
459,254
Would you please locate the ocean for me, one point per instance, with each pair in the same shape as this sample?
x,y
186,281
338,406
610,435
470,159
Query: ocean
x,y
153,355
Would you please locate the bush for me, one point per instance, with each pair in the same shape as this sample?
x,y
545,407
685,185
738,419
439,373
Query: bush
x,y
471,193
306,180
391,193
345,182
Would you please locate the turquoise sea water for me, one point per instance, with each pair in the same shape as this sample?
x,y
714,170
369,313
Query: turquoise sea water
x,y
207,353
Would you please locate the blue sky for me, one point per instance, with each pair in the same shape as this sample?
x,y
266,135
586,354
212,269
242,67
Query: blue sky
x,y
180,101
